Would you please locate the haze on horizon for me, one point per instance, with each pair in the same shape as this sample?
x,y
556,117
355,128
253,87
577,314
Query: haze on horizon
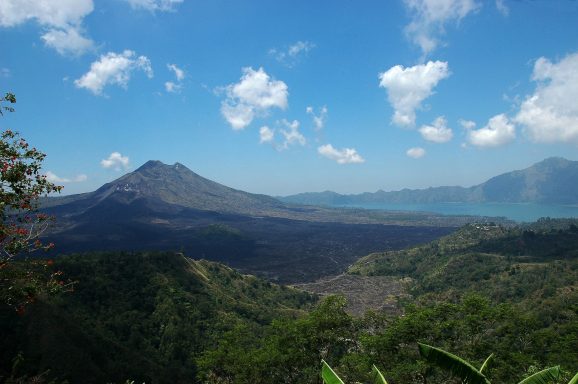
x,y
287,97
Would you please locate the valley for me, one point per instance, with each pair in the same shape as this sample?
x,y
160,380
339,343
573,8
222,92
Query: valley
x,y
162,276
169,207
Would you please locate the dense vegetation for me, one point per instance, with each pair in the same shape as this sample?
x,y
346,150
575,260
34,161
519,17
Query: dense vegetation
x,y
143,316
484,289
159,317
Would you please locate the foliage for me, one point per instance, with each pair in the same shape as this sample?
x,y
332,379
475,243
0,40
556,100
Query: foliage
x,y
469,374
160,317
328,375
457,366
21,186
545,376
147,316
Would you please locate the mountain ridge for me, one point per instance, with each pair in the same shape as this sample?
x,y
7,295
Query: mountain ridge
x,y
554,180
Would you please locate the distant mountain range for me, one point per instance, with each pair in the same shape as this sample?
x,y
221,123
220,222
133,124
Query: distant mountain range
x,y
169,207
551,181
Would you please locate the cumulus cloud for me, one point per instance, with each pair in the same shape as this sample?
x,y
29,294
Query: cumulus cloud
x,y
113,69
68,40
437,132
293,53
291,134
318,119
550,114
415,152
116,161
53,178
60,19
266,135
499,131
154,5
255,94
429,18
408,87
341,156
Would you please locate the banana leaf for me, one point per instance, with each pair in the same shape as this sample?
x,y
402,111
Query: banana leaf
x,y
574,380
543,377
328,375
456,365
485,365
377,376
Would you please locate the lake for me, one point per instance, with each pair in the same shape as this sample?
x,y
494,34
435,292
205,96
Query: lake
x,y
520,212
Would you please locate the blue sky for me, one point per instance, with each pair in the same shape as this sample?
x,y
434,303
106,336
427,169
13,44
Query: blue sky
x,y
281,97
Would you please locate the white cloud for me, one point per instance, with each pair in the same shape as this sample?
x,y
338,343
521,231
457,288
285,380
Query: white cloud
x,y
438,132
53,178
67,41
113,68
341,156
292,134
293,53
253,95
154,5
550,114
172,87
179,73
502,7
415,152
61,20
318,120
408,87
497,132
467,124
116,161
238,115
429,18
266,135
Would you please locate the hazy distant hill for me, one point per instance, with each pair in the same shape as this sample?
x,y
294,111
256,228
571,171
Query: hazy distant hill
x,y
551,181
169,207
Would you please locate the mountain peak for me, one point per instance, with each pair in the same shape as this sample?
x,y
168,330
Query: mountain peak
x,y
151,164
554,162
177,185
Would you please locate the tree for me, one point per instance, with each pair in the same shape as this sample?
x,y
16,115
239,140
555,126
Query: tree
x,y
21,186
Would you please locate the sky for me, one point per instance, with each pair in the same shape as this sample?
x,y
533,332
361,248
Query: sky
x,y
281,97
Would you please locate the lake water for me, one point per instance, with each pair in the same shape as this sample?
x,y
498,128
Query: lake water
x,y
520,212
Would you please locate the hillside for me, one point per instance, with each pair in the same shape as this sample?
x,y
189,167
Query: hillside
x,y
551,181
141,316
483,289
527,263
160,317
169,207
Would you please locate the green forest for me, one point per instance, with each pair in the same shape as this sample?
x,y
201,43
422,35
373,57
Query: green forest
x,y
164,318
